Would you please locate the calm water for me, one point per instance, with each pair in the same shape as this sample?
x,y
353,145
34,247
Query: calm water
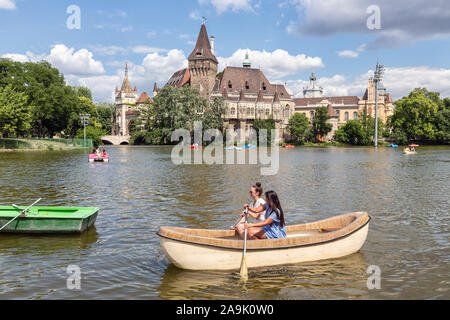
x,y
141,190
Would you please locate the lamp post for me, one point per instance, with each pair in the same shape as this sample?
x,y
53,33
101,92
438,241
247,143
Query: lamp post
x,y
84,118
379,71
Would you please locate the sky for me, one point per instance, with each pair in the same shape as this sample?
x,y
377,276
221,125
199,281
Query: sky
x,y
339,40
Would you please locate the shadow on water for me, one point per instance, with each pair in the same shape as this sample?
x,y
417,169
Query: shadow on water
x,y
309,280
47,244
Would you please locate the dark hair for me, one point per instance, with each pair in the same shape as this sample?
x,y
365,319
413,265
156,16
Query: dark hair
x,y
274,204
258,188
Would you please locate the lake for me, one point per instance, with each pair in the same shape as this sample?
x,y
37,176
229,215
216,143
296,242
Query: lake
x,y
141,190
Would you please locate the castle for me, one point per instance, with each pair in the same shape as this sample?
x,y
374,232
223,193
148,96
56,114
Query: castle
x,y
127,105
249,95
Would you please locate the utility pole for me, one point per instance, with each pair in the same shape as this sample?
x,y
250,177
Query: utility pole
x,y
379,71
84,118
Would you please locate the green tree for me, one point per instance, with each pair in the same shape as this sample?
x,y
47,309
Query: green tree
x,y
320,127
414,117
105,113
267,124
83,92
15,113
360,131
443,122
299,128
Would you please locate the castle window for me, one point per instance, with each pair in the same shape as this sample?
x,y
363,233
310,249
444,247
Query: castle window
x,y
264,86
230,86
252,111
287,111
346,116
267,112
233,110
355,115
311,114
248,111
247,86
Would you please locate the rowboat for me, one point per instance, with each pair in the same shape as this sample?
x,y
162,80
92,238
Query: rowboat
x,y
411,150
200,249
48,219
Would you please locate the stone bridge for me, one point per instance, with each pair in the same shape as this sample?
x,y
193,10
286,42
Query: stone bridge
x,y
116,140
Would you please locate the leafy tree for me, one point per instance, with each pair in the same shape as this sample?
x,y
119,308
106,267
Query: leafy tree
x,y
83,92
15,113
269,125
414,117
360,131
105,113
320,127
443,122
299,128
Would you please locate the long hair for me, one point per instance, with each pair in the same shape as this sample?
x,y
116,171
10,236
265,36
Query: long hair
x,y
274,203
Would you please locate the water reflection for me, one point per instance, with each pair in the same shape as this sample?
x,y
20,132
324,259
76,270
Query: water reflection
x,y
283,282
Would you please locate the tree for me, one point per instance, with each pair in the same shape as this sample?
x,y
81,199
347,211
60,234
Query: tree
x,y
360,131
15,113
320,127
443,122
105,113
267,124
83,92
414,117
299,128
171,109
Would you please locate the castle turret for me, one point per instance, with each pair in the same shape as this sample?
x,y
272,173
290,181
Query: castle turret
x,y
203,65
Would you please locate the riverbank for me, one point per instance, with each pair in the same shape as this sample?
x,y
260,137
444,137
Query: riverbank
x,y
34,145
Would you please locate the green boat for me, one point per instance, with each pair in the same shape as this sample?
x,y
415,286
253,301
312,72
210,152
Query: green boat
x,y
47,219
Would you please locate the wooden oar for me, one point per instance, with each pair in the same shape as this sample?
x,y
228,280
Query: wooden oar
x,y
23,211
244,271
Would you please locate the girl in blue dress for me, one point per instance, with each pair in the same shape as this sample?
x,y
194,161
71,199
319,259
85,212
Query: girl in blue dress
x,y
274,226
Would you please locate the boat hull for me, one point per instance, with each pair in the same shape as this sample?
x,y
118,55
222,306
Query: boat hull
x,y
48,225
194,256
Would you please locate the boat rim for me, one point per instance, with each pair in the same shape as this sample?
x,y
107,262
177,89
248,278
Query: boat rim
x,y
275,248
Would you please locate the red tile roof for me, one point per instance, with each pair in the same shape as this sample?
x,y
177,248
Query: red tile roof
x,y
144,98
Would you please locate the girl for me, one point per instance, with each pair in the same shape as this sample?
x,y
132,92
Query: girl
x,y
274,226
256,210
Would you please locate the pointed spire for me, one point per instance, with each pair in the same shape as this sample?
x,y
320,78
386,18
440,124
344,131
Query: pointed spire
x,y
155,88
202,50
241,95
126,86
260,96
276,98
246,63
225,93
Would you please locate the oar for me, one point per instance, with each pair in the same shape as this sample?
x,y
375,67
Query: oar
x,y
237,222
23,211
244,271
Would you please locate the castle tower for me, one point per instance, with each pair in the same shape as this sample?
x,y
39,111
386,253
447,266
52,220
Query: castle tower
x,y
313,90
203,65
124,98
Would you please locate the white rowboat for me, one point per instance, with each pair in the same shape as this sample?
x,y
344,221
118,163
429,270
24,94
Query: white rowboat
x,y
200,249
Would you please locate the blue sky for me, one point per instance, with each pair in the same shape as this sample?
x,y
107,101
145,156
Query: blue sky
x,y
287,39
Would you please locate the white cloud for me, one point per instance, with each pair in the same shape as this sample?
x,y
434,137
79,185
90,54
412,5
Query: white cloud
x,y
80,62
7,5
146,49
16,57
348,54
234,5
276,64
399,82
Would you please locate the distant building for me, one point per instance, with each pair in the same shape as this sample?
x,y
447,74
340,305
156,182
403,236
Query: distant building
x,y
127,104
343,108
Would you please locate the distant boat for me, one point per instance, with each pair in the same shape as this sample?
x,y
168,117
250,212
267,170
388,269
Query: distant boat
x,y
288,146
392,146
233,148
250,146
201,249
95,158
48,219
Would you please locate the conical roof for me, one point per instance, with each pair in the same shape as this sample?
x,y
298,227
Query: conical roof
x,y
126,85
260,96
276,98
202,50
